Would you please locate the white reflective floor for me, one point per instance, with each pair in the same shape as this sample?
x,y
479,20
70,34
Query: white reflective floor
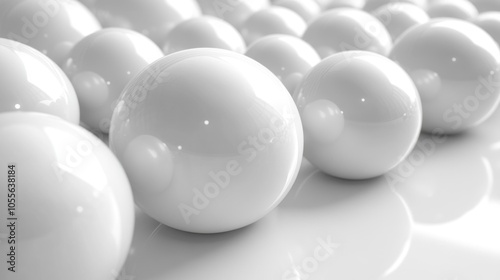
x,y
437,216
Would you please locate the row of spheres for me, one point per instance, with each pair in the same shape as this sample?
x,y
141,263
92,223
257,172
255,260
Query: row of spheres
x,y
211,104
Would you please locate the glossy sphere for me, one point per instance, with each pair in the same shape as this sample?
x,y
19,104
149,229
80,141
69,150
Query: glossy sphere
x,y
486,5
347,29
333,4
101,64
30,81
374,4
361,114
234,12
153,18
490,22
460,9
273,20
398,17
205,31
50,26
211,140
455,66
307,9
288,57
73,200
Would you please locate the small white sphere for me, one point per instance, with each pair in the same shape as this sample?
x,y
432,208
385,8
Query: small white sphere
x,y
456,68
374,4
53,27
204,32
460,9
30,81
307,9
99,67
152,18
236,12
273,20
361,114
288,57
490,22
399,17
345,29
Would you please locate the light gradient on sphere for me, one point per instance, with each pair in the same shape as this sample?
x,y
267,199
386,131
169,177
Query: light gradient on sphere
x,y
456,68
30,81
333,4
234,12
490,22
204,32
307,9
345,29
272,20
88,3
51,26
210,139
372,5
486,5
399,17
361,114
153,18
460,9
99,67
288,57
73,200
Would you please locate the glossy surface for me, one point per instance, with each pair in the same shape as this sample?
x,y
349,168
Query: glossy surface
x,y
272,20
30,81
399,17
461,9
211,140
374,4
72,200
101,64
288,57
204,32
50,26
332,4
455,66
486,5
153,18
490,22
347,29
307,9
361,114
234,12
439,223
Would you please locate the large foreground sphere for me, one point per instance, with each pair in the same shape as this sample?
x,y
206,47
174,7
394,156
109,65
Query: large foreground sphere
x,y
210,139
361,114
71,199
